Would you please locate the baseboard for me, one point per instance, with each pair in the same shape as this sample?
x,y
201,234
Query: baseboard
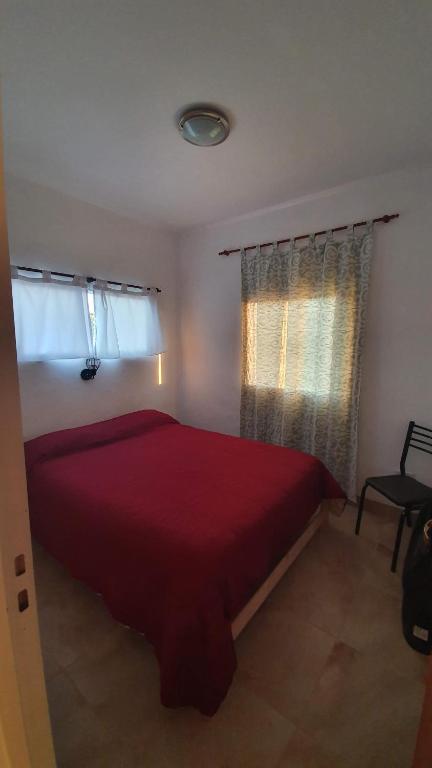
x,y
378,507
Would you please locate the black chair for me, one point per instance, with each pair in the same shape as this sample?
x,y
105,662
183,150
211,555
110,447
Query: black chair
x,y
402,490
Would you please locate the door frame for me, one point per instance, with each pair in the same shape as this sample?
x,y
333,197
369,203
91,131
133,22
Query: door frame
x,y
25,732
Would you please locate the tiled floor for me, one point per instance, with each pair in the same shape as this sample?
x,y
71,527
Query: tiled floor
x,y
325,679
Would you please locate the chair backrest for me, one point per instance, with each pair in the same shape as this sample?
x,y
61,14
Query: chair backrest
x,y
416,437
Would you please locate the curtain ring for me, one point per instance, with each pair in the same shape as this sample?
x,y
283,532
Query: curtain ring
x,y
46,276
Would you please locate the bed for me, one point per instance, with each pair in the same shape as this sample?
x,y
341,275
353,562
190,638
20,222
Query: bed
x,y
182,531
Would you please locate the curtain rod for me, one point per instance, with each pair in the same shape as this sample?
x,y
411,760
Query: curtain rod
x,y
90,279
382,219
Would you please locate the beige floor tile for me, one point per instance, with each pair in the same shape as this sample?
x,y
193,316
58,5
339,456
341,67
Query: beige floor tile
x,y
373,625
319,587
76,626
244,733
128,665
364,711
303,751
64,698
123,688
81,740
280,658
53,582
378,530
50,663
369,561
378,525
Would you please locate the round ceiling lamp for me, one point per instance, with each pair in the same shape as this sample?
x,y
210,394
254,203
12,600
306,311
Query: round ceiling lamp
x,y
204,127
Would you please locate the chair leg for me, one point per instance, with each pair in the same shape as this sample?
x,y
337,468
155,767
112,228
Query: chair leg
x,y
360,509
398,541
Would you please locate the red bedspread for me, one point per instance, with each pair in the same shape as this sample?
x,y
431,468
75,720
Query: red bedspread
x,y
176,527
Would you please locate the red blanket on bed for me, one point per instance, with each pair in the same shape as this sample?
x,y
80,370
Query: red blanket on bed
x,y
176,527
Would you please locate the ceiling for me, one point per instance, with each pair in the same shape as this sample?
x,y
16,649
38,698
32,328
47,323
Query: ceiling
x,y
320,93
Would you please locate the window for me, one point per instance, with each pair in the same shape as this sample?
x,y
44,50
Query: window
x,y
51,320
126,323
66,318
303,330
136,320
299,362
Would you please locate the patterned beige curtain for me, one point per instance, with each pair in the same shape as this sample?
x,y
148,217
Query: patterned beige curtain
x,y
303,325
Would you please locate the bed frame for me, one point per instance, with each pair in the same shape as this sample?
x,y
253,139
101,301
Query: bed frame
x,y
256,601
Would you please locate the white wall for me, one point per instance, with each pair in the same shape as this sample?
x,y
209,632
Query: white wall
x,y
50,230
397,374
47,229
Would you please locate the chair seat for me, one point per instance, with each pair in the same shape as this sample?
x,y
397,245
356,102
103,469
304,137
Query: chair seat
x,y
402,490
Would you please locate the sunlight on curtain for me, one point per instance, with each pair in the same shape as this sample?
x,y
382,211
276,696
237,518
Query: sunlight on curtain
x,y
270,346
51,319
303,324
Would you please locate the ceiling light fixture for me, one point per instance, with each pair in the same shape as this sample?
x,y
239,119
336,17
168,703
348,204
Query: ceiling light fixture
x,y
203,127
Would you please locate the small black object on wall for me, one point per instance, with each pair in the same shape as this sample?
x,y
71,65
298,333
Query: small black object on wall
x,y
89,372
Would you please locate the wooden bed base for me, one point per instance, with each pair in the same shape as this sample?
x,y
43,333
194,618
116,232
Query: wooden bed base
x,y
244,617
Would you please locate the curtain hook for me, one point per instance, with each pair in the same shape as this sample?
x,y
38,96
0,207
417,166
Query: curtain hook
x,y
100,285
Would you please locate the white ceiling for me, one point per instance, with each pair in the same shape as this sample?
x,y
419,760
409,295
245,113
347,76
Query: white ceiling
x,y
320,93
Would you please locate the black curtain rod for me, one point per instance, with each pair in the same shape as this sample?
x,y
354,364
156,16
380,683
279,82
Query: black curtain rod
x,y
382,219
89,279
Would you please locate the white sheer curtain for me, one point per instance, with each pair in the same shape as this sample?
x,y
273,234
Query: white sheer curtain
x,y
63,318
127,323
51,317
104,330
